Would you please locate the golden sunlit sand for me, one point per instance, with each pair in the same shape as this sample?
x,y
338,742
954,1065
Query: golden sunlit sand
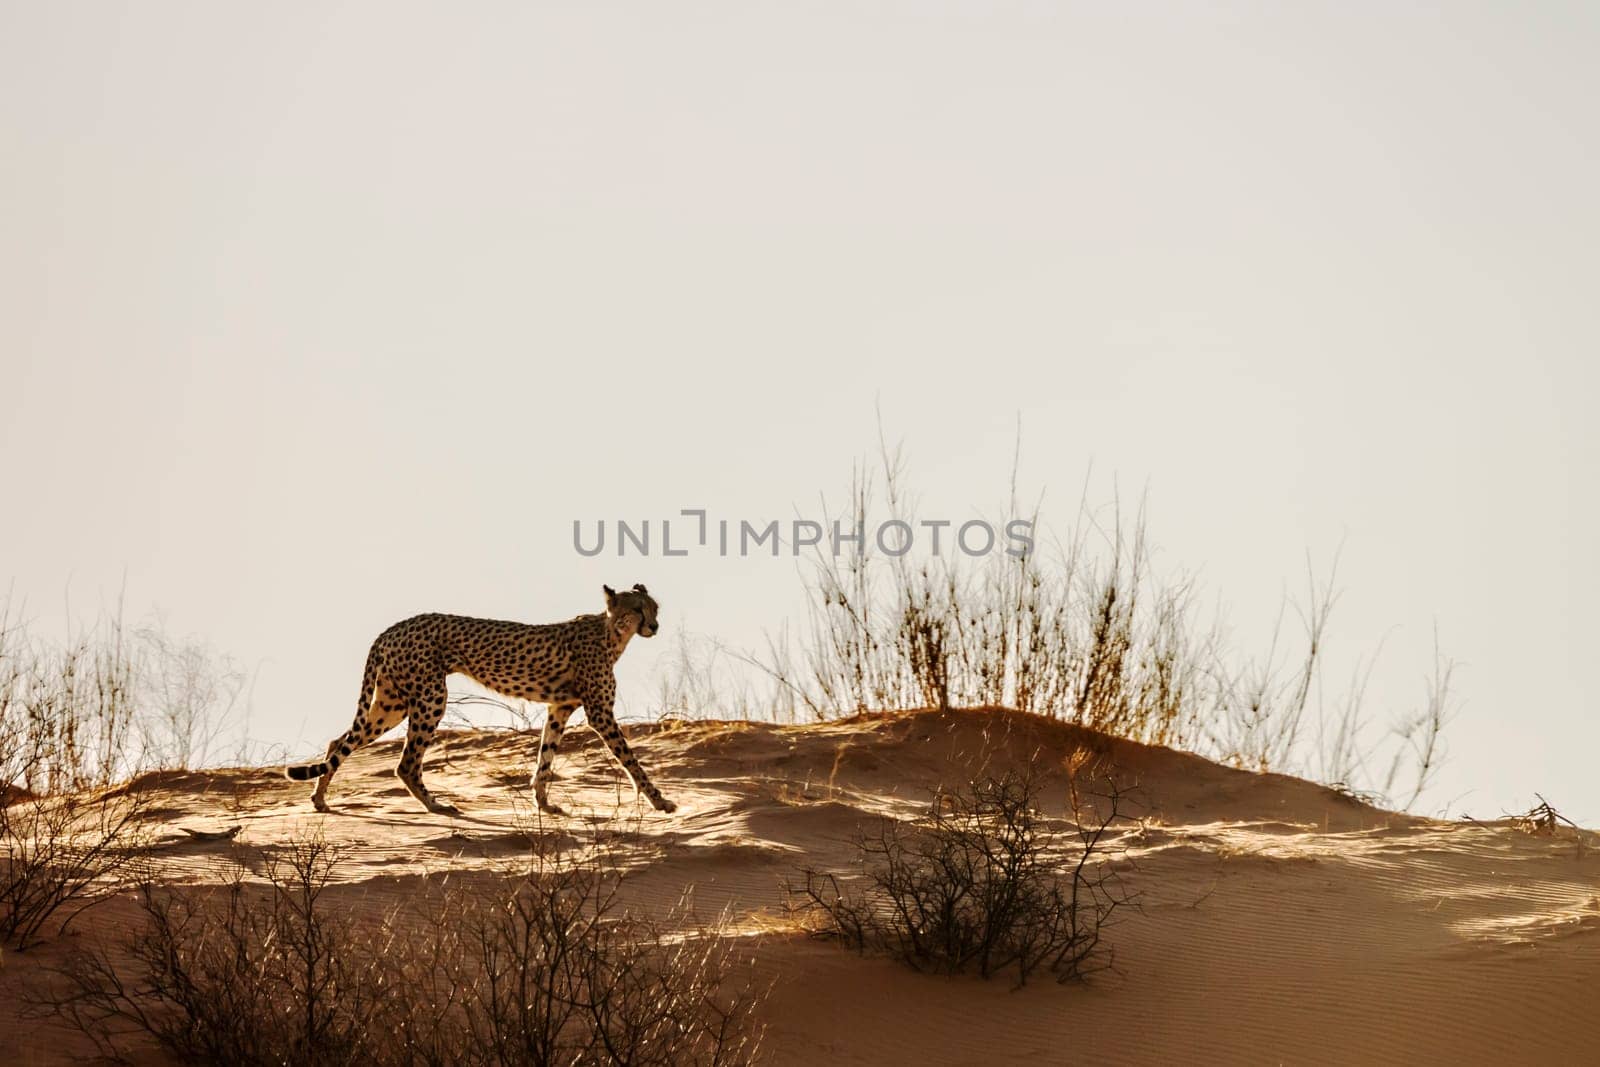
x,y
1279,921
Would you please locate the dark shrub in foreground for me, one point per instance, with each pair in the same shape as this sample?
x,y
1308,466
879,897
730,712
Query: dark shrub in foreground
x,y
983,883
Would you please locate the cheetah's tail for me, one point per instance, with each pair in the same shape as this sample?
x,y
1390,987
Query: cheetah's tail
x,y
304,772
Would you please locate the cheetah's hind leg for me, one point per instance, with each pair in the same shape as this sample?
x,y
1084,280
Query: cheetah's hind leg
x,y
425,718
382,714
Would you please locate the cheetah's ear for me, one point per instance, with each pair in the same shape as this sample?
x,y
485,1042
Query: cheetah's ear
x,y
611,595
639,588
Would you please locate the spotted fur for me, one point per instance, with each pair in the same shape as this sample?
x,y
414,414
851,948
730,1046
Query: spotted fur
x,y
566,665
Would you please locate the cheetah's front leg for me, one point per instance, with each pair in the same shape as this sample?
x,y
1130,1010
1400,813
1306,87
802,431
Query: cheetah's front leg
x,y
605,724
555,722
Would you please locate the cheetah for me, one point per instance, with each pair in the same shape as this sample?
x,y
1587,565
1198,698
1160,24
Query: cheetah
x,y
565,665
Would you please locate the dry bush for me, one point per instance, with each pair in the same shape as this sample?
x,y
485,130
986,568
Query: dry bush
x,y
76,718
61,855
566,976
543,967
983,883
67,839
188,695
702,679
105,703
66,711
1092,637
242,972
1092,632
1543,820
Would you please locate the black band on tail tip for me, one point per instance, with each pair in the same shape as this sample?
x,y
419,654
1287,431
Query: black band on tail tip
x,y
307,771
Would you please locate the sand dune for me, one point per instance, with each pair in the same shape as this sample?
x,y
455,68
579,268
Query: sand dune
x,y
1280,921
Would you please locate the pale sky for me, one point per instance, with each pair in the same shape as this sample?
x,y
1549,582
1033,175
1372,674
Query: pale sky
x,y
315,316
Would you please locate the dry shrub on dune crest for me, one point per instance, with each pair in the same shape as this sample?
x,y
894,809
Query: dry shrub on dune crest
x,y
1086,629
66,837
984,883
79,720
537,966
108,702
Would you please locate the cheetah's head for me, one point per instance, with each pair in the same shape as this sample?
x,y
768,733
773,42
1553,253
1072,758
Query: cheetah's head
x,y
632,611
